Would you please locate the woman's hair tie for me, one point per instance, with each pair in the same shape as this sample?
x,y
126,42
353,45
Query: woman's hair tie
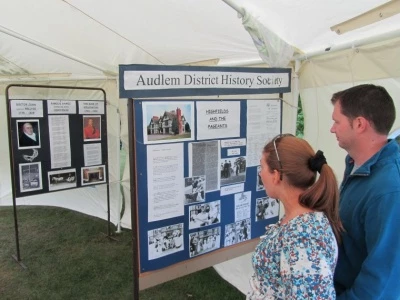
x,y
316,162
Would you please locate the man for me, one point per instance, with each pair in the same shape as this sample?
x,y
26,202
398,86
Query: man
x,y
369,256
90,131
28,138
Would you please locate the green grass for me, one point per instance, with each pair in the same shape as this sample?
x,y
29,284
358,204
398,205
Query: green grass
x,y
68,257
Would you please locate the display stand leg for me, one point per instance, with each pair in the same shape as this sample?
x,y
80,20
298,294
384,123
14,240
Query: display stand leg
x,y
19,262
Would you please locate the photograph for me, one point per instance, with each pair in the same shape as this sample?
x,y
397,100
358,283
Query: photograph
x,y
167,122
204,241
259,183
205,214
61,179
28,134
165,240
266,208
233,170
93,175
91,128
237,232
195,188
30,177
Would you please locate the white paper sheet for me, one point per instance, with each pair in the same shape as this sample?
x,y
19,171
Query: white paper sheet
x,y
26,109
91,107
61,107
263,123
165,181
60,146
242,206
218,119
92,154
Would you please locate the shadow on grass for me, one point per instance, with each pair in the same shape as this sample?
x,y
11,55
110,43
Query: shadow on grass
x,y
68,257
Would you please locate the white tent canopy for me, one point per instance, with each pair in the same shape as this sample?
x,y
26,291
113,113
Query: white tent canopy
x,y
82,42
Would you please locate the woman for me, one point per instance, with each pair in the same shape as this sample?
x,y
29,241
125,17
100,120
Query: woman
x,y
297,257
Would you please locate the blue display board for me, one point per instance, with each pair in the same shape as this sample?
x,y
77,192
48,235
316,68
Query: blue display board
x,y
196,191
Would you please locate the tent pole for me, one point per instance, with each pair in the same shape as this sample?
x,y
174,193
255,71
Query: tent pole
x,y
370,40
119,173
295,93
234,6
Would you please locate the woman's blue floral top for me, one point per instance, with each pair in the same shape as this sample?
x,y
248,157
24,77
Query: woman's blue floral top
x,y
295,260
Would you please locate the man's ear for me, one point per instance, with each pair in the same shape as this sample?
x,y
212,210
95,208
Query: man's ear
x,y
361,124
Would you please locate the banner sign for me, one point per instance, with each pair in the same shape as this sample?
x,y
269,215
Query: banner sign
x,y
164,81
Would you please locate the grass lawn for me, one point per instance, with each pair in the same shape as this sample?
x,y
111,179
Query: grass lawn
x,y
68,257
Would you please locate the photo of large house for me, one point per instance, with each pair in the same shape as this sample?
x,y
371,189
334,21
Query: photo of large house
x,y
167,121
171,122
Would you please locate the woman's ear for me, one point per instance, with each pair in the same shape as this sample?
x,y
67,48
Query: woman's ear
x,y
276,177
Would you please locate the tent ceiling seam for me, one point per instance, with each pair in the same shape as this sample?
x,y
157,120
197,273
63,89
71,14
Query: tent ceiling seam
x,y
48,48
113,31
15,65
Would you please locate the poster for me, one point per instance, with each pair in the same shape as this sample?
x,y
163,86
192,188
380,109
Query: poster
x,y
263,123
26,108
93,175
28,131
61,107
165,186
60,147
204,160
62,179
166,122
91,107
165,241
30,177
218,119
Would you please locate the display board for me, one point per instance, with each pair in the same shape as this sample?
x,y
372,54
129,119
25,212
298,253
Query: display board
x,y
196,197
197,176
57,144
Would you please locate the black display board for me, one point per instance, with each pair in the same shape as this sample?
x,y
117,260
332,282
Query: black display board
x,y
55,144
32,162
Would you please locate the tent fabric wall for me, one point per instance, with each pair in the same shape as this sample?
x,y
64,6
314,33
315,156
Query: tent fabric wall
x,y
89,200
75,40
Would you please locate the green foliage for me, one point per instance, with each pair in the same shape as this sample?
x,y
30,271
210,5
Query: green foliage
x,y
300,120
69,257
187,127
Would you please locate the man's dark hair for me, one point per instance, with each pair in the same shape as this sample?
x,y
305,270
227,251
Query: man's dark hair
x,y
369,101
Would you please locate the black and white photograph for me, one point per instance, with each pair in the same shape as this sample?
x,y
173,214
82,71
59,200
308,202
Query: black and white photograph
x,y
237,232
233,170
259,183
204,241
62,179
165,240
168,122
30,177
28,134
201,215
93,175
204,160
266,208
195,189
